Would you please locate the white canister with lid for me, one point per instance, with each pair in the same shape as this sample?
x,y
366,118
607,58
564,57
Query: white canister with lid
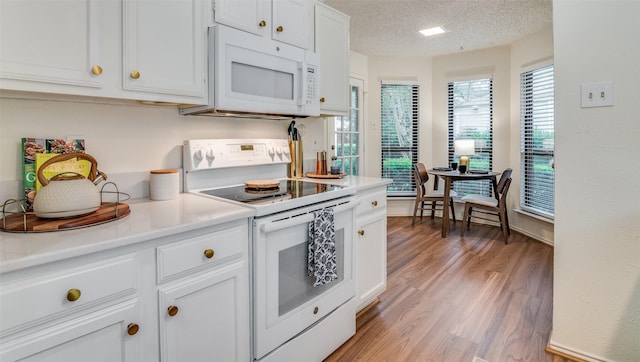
x,y
164,184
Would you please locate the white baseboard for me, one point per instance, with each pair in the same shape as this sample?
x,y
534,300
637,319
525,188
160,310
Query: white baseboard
x,y
559,349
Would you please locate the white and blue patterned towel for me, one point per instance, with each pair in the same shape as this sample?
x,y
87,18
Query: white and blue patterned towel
x,y
321,256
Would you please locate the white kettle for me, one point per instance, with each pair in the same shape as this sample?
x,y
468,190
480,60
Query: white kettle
x,y
68,194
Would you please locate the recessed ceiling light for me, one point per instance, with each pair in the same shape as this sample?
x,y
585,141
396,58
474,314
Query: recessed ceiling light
x,y
432,31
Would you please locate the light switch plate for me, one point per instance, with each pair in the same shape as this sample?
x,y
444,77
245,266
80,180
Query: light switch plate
x,y
598,94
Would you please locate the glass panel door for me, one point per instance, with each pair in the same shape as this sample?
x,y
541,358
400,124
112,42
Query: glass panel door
x,y
346,134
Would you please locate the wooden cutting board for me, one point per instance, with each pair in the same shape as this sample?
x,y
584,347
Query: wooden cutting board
x,y
262,184
106,213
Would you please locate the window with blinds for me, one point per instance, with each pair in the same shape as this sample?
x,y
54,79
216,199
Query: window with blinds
x,y
470,116
399,129
537,141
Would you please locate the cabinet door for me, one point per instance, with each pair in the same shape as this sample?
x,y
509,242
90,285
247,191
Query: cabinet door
x,y
164,49
248,15
332,45
104,336
51,43
293,22
206,317
371,279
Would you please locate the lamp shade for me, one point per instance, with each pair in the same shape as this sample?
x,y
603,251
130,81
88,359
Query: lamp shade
x,y
464,147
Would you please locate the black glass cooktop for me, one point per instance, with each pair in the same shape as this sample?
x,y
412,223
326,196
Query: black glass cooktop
x,y
288,189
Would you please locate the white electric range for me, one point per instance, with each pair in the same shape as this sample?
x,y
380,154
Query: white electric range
x,y
291,318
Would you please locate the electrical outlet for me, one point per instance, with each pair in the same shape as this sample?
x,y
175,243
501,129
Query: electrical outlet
x,y
598,94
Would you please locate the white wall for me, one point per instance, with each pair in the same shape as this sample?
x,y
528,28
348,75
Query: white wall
x,y
596,305
526,53
124,138
395,68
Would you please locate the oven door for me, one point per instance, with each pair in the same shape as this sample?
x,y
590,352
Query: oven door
x,y
286,302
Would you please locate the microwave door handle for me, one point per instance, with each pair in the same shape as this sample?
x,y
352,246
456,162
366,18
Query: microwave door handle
x,y
302,66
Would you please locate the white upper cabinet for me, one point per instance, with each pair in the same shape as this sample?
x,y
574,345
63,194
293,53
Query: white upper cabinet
x,y
128,49
51,42
332,45
287,21
164,47
252,16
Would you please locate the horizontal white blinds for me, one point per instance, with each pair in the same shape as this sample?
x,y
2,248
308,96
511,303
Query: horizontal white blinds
x,y
470,116
537,141
399,129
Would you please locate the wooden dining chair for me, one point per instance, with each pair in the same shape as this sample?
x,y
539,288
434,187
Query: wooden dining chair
x,y
423,195
489,205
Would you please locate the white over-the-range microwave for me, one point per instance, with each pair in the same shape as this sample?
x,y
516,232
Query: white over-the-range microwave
x,y
252,76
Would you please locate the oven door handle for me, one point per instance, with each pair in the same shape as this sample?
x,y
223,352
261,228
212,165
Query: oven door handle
x,y
301,219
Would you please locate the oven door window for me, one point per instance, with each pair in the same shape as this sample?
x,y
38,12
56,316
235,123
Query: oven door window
x,y
295,287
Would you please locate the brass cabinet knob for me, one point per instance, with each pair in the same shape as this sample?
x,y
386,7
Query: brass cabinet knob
x,y
209,253
96,69
262,24
374,203
172,310
322,100
73,295
132,329
279,29
360,232
135,74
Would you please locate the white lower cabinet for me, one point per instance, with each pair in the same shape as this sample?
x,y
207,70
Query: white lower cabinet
x,y
183,297
108,335
371,245
206,317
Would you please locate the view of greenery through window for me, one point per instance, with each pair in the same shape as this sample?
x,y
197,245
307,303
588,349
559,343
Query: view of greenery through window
x,y
471,117
399,124
537,141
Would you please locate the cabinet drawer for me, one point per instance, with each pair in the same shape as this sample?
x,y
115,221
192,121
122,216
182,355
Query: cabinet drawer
x,y
202,251
371,200
39,299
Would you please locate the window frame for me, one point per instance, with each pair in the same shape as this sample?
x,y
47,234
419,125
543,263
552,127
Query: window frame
x,y
354,160
404,183
482,187
532,118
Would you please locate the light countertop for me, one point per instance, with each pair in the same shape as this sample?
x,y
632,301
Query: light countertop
x,y
147,220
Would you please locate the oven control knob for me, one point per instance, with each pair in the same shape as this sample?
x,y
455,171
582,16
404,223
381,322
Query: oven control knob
x,y
210,155
198,155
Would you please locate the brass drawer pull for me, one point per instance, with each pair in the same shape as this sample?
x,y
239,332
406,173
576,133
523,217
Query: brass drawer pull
x,y
262,24
172,310
73,295
132,329
96,69
209,253
135,74
360,232
279,29
322,100
374,203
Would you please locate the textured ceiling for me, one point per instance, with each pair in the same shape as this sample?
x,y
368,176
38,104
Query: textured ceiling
x,y
390,27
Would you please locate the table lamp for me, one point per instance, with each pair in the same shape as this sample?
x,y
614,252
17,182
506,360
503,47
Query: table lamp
x,y
464,148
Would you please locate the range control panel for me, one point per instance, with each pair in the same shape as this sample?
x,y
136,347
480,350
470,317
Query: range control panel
x,y
205,154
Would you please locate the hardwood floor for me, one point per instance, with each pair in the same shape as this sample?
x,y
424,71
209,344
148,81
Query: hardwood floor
x,y
456,298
